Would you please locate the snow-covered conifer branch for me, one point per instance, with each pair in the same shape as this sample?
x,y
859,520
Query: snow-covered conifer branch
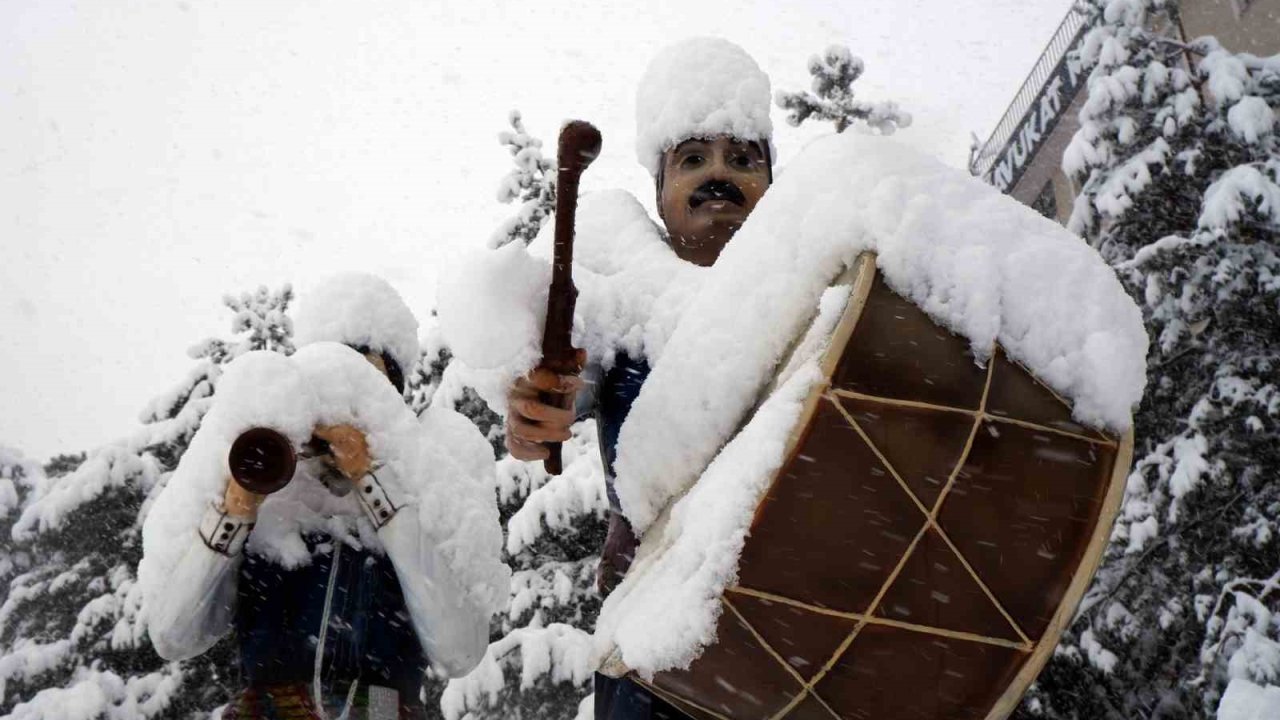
x,y
532,182
1179,163
832,98
71,641
557,502
557,653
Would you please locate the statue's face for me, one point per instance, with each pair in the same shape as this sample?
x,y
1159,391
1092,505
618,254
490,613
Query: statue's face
x,y
385,365
375,359
709,187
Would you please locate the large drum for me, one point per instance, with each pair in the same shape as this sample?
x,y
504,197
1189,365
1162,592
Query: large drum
x,y
929,535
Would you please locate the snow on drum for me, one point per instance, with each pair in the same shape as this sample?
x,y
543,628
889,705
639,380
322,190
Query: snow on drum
x,y
888,493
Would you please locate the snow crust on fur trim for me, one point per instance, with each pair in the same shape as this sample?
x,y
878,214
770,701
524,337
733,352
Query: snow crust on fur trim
x,y
700,87
359,309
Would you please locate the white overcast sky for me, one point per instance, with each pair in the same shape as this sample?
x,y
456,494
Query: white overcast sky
x,y
156,155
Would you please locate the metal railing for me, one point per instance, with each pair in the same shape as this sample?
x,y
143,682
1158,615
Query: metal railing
x,y
1064,38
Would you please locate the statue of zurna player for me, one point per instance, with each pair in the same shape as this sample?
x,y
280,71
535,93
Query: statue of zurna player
x,y
380,554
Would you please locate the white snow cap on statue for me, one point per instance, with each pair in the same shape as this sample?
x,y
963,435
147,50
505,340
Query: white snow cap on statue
x,y
359,309
700,87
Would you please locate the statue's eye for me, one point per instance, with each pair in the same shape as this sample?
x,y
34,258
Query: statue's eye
x,y
691,161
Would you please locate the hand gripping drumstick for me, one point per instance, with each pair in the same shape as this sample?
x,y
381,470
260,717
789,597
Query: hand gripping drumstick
x,y
579,145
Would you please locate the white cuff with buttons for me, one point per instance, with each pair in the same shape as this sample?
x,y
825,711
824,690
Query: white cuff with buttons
x,y
373,498
223,533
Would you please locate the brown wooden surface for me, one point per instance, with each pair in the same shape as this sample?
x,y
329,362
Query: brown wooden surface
x,y
579,145
923,546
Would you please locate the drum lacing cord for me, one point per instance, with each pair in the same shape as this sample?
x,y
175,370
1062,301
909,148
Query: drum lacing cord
x,y
316,691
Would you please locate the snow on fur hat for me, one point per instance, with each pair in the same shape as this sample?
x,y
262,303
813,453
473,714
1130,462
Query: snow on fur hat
x,y
359,309
700,87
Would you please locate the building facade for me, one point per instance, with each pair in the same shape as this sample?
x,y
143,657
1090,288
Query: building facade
x,y
1023,156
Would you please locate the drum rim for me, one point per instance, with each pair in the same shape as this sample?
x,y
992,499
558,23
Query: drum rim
x,y
1080,581
863,271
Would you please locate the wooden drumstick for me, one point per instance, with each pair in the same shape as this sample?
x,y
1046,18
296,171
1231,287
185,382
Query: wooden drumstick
x,y
579,144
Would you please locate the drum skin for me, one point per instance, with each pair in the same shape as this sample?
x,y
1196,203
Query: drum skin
x,y
925,542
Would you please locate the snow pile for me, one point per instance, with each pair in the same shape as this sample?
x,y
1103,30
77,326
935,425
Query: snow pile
x,y
1244,700
359,309
976,261
632,290
700,87
457,504
1097,654
442,465
29,659
1251,118
492,304
102,694
558,651
1244,626
1235,192
1228,76
665,611
114,466
16,471
635,288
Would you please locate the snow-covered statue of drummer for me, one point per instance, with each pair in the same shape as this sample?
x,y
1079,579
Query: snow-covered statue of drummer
x,y
703,132
380,554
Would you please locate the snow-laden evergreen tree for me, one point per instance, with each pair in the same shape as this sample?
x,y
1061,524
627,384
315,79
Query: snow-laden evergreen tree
x,y
537,665
1180,168
71,643
532,182
832,98
430,376
18,475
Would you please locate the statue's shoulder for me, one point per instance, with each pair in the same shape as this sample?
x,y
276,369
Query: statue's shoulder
x,y
613,225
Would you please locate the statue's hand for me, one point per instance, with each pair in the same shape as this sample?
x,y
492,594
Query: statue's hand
x,y
240,502
348,448
531,420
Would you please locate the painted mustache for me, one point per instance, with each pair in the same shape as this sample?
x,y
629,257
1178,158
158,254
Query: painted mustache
x,y
717,190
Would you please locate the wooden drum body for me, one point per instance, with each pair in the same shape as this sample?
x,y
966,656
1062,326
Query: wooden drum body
x,y
928,537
